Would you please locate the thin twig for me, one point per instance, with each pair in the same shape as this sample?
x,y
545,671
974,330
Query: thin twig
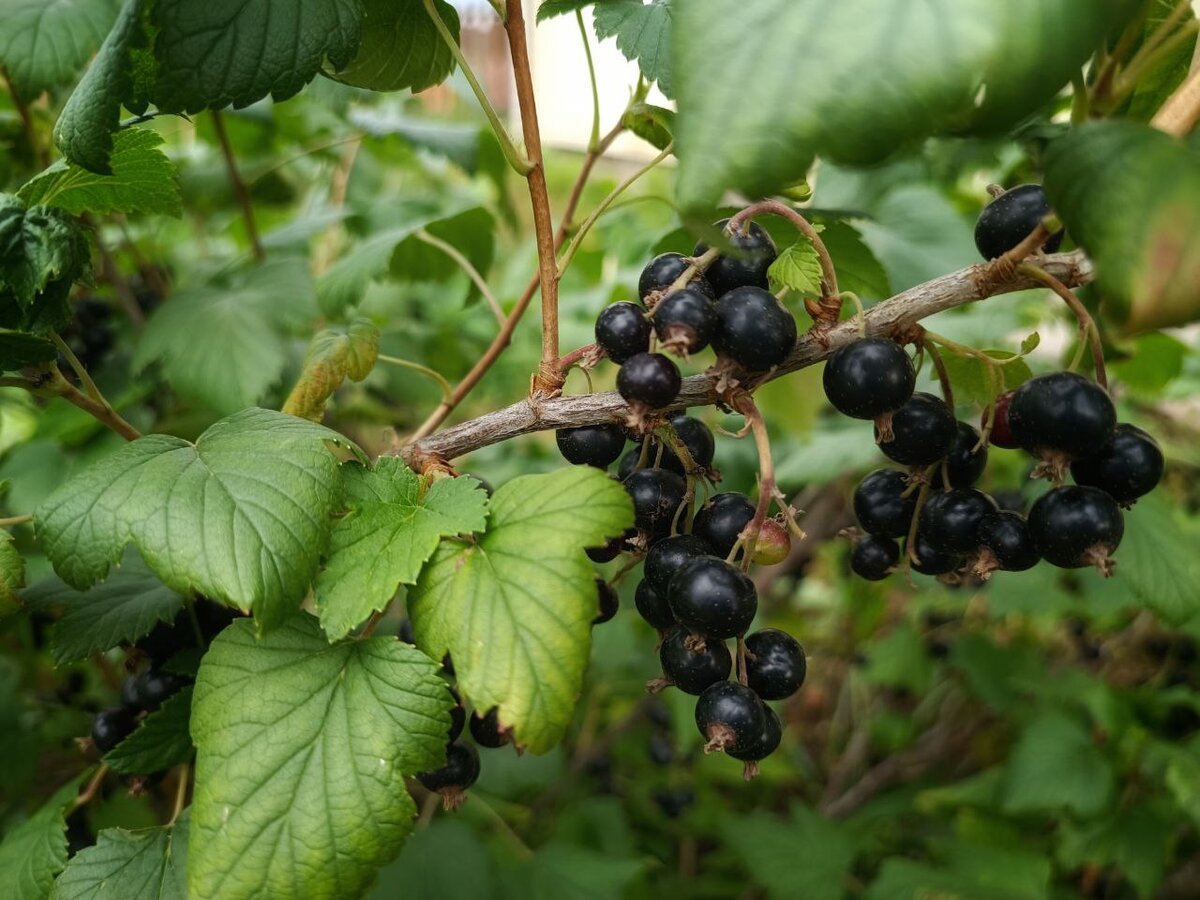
x,y
424,370
1180,113
464,264
77,367
99,409
181,792
942,374
239,186
86,795
15,520
1088,332
594,140
748,539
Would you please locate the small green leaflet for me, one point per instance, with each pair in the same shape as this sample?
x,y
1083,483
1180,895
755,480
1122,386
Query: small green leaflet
x,y
241,516
147,864
400,47
806,856
394,522
36,850
551,8
302,750
45,252
797,267
334,355
46,42
159,742
18,350
857,268
1157,561
515,607
12,575
653,124
142,180
643,33
1056,765
977,382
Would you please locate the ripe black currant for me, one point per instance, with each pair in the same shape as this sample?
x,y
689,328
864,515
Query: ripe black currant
x,y
657,495
712,598
693,671
458,716
591,445
730,717
869,378
775,664
874,558
670,555
649,378
129,694
622,330
721,520
922,431
1076,526
662,271
697,437
653,606
459,773
486,729
1128,466
608,602
610,551
753,329
154,686
766,744
931,561
1009,219
754,251
1061,416
1005,543
964,464
884,503
950,520
111,726
1001,434
685,321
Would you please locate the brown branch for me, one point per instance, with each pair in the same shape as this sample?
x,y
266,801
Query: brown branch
x,y
239,186
1181,111
956,289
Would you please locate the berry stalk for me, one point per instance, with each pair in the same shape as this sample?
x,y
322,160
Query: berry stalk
x,y
1088,332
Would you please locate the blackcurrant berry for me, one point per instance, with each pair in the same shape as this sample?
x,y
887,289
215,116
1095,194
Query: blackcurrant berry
x,y
693,671
674,802
922,431
884,503
964,463
610,551
154,686
653,606
459,773
458,717
1005,543
753,329
657,495
754,251
1013,501
486,729
931,561
129,694
406,633
1128,466
721,520
1001,434
591,445
869,378
1009,219
950,520
775,664
712,598
730,717
662,272
110,727
1075,526
622,330
1061,417
662,749
608,602
670,555
697,437
874,558
685,321
650,379
767,743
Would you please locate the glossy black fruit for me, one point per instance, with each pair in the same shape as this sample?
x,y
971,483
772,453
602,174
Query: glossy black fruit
x,y
653,606
670,555
710,597
1128,466
608,552
950,520
884,503
874,558
111,726
964,464
129,694
662,271
458,717
868,378
767,742
486,729
155,686
459,773
931,561
697,437
1061,415
657,495
685,321
721,520
649,378
1005,535
775,664
753,329
622,330
607,602
1075,526
748,267
922,431
730,717
693,671
591,445
1009,219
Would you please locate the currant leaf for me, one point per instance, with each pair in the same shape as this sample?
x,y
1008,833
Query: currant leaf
x,y
401,47
334,355
146,864
33,852
159,742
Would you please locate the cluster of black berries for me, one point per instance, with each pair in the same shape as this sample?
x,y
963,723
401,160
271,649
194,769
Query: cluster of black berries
x,y
727,306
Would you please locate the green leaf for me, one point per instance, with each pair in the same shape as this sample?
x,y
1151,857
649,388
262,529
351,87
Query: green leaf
x,y
302,750
1156,84
241,516
142,180
400,47
1157,562
36,850
945,65
146,864
980,383
1147,254
225,343
471,232
515,607
334,355
797,267
392,526
446,861
806,857
12,575
971,872
45,252
219,54
46,42
159,742
123,608
900,660
1156,360
18,350
643,33
551,8
1030,343
1057,766
858,270
1137,840
653,124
